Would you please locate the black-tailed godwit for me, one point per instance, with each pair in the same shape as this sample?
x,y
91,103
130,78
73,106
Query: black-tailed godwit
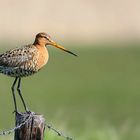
x,y
27,60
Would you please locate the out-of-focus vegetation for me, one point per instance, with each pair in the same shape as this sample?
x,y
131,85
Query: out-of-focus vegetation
x,y
95,96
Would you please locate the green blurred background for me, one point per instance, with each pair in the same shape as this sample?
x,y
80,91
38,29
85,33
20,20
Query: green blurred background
x,y
95,96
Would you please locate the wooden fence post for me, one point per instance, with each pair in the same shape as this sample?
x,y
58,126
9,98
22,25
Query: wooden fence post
x,y
32,129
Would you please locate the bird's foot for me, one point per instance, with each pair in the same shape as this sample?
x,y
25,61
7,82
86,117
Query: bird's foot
x,y
29,112
15,112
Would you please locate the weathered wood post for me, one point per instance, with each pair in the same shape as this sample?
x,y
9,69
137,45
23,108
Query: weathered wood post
x,y
31,126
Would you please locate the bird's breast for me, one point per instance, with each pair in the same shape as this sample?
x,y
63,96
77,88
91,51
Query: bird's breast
x,y
43,57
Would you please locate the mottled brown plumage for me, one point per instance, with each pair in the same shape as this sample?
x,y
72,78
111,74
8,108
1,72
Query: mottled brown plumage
x,y
27,60
24,61
19,62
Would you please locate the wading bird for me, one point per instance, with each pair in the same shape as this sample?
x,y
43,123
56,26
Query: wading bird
x,y
27,60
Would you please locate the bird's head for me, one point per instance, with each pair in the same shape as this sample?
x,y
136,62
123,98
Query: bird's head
x,y
44,39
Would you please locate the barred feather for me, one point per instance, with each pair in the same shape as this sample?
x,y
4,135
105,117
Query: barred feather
x,y
19,62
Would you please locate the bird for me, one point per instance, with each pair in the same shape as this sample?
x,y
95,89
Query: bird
x,y
25,61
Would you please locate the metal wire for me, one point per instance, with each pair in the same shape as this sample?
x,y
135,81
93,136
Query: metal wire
x,y
28,118
9,131
58,132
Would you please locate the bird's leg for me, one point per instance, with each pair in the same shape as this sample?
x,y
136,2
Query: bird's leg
x,y
19,92
13,93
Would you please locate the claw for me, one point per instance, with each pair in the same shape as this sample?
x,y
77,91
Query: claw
x,y
15,112
30,112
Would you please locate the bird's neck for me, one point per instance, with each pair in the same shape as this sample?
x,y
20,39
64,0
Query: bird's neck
x,y
39,44
35,42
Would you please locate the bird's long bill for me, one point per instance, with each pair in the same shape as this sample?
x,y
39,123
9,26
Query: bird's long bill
x,y
62,48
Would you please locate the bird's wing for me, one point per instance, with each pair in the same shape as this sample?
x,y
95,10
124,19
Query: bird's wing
x,y
17,57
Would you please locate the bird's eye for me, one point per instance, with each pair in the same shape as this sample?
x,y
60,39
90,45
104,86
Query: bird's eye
x,y
44,37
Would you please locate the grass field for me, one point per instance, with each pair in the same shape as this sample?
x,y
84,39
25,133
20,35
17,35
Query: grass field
x,y
95,96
